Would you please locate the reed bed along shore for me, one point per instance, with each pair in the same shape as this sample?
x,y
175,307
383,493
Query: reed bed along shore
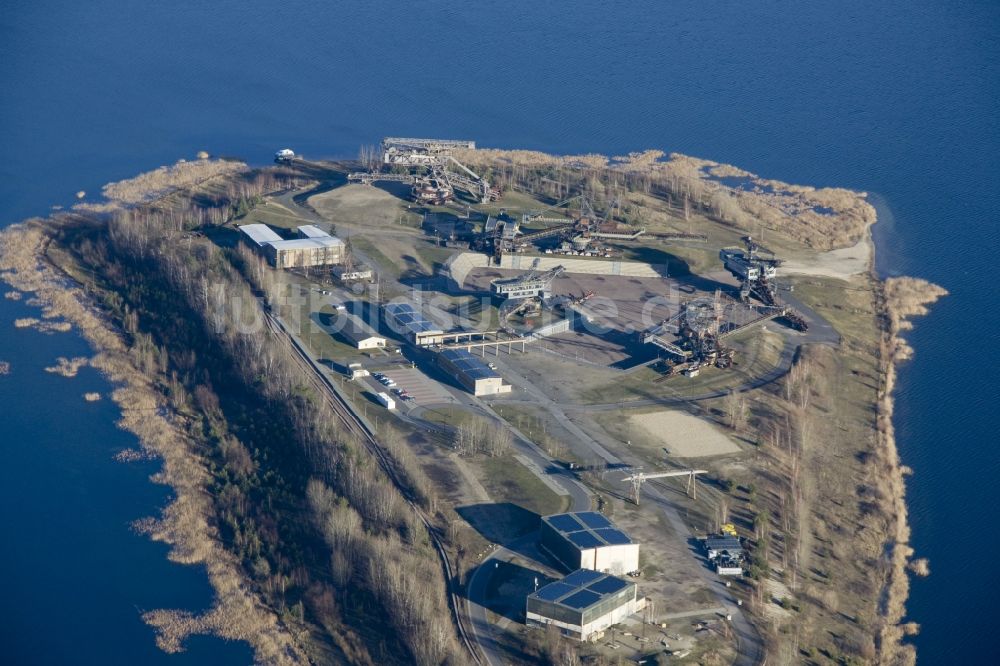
x,y
187,523
816,218
902,299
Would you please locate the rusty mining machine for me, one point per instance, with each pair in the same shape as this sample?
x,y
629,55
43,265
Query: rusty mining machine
x,y
524,294
504,233
431,169
756,268
693,336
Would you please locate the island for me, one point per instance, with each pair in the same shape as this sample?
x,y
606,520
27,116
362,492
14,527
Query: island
x,y
446,404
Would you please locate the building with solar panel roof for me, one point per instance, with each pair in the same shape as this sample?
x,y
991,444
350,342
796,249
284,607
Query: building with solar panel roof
x,y
588,540
408,321
584,603
472,372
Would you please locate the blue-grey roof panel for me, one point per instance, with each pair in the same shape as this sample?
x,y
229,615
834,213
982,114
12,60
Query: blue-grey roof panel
x,y
613,536
582,577
398,308
723,542
564,523
553,591
607,585
593,519
469,365
584,540
581,600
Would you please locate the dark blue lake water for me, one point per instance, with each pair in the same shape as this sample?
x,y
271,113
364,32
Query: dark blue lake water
x,y
897,97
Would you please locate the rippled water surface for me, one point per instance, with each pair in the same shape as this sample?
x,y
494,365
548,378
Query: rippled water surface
x,y
897,98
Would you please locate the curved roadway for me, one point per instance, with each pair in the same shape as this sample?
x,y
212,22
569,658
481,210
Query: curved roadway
x,y
749,645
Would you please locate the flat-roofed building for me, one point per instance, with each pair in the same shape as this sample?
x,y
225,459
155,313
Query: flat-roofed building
x,y
314,248
723,546
258,235
305,252
353,274
584,603
588,540
311,231
406,320
357,333
471,372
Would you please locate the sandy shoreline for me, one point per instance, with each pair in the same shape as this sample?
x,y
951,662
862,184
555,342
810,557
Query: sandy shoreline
x,y
842,264
239,614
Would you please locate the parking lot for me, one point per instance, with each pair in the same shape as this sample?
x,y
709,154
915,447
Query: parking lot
x,y
421,388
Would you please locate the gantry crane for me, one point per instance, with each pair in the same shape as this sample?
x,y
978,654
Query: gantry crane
x,y
638,478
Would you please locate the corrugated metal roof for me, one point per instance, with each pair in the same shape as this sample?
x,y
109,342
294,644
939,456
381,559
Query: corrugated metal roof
x,y
353,328
306,243
260,234
312,231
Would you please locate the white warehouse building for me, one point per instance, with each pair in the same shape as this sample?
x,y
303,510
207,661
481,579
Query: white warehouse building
x,y
357,333
314,247
584,603
588,540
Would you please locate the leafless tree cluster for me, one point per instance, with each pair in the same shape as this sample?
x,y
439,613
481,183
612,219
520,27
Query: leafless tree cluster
x,y
369,156
798,383
395,570
737,410
377,541
687,183
477,434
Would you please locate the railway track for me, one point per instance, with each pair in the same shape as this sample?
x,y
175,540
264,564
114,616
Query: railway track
x,y
356,425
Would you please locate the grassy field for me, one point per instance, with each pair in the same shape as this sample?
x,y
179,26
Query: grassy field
x,y
445,415
507,480
274,215
538,427
383,264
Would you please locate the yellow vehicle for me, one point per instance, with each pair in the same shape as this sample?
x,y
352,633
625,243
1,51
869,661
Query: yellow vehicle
x,y
730,529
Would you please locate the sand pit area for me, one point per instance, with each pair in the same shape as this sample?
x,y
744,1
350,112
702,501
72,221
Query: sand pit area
x,y
683,435
842,264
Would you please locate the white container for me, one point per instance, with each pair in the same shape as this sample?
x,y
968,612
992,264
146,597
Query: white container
x,y
386,400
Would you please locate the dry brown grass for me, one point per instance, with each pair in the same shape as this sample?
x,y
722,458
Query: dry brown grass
x,y
155,185
68,367
92,396
792,210
920,567
902,299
